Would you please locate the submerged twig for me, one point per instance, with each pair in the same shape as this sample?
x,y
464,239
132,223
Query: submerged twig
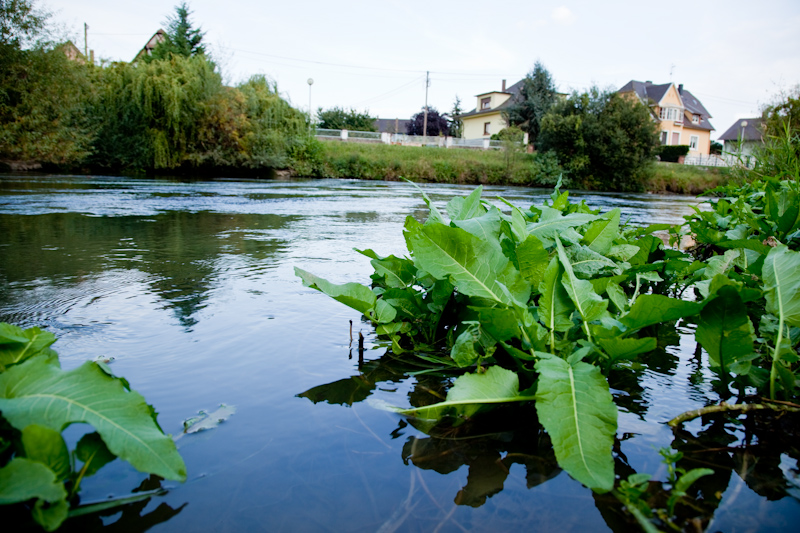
x,y
739,407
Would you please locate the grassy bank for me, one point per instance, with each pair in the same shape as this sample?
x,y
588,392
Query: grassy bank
x,y
334,159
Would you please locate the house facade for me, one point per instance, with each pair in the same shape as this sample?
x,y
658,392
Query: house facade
x,y
487,117
681,117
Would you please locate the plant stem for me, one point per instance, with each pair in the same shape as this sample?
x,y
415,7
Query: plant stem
x,y
722,408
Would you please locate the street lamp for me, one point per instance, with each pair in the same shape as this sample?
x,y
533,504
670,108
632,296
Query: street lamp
x,y
310,115
741,139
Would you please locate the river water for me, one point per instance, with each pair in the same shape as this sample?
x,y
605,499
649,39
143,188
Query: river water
x,y
189,287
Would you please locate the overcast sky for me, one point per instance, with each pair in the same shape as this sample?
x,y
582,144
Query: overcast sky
x,y
372,55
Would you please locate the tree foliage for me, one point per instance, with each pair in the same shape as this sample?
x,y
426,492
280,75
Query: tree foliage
x,y
437,124
339,118
535,98
603,140
456,124
181,38
782,113
21,23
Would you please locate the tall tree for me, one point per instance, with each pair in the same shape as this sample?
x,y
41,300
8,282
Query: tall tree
x,y
603,140
535,98
21,22
181,37
456,124
437,124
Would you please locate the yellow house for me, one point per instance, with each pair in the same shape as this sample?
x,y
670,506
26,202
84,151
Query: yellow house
x,y
681,117
487,119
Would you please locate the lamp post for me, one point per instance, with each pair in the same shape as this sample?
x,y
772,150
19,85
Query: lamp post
x,y
310,115
741,139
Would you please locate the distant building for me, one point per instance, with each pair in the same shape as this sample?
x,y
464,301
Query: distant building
x,y
744,136
680,116
158,37
487,117
72,52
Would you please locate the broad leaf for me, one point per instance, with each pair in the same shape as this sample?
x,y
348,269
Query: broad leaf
x,y
575,407
533,260
17,345
725,330
485,227
552,222
589,304
35,392
651,309
473,265
209,420
464,351
601,233
46,446
353,295
470,391
22,479
782,284
619,348
463,208
555,305
93,452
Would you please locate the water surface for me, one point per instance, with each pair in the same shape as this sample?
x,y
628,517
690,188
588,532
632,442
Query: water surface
x,y
189,286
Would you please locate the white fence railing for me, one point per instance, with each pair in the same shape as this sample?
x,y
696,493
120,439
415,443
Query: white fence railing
x,y
407,140
724,160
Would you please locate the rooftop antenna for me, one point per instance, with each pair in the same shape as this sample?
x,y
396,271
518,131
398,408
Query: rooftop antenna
x,y
671,70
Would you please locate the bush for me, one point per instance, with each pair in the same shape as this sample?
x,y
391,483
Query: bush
x,y
673,153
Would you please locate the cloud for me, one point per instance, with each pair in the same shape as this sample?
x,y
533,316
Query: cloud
x,y
563,15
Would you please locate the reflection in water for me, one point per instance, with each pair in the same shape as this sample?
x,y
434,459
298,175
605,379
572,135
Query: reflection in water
x,y
176,255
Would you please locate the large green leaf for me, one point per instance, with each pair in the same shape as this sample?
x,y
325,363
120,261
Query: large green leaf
x,y
463,208
533,260
17,345
782,284
552,222
555,306
575,407
474,265
725,330
46,446
22,479
470,391
601,233
619,348
589,304
35,392
353,295
651,309
485,227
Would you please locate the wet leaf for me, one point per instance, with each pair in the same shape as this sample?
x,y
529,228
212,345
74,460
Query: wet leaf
x,y
725,330
353,295
46,446
22,479
210,420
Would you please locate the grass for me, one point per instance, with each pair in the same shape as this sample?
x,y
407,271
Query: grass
x,y
376,161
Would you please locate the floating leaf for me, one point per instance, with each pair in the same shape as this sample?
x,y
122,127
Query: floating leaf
x,y
35,392
576,408
210,420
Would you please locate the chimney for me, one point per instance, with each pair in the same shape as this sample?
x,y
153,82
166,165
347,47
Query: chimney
x,y
680,89
504,86
648,82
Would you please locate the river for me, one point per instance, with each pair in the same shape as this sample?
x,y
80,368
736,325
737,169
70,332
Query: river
x,y
188,288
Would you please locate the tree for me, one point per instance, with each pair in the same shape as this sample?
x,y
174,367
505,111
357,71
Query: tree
x,y
437,124
339,118
21,22
181,37
534,99
783,113
456,124
604,140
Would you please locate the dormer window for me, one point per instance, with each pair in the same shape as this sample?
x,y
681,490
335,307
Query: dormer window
x,y
671,113
486,103
695,119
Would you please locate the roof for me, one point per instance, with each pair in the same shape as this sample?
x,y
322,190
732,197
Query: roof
x,y
158,37
752,132
652,94
513,91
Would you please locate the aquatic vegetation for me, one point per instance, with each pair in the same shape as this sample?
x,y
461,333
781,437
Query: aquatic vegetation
x,y
542,304
38,400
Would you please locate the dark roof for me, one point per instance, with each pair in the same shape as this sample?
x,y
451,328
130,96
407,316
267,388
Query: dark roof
x,y
752,132
384,125
646,90
513,91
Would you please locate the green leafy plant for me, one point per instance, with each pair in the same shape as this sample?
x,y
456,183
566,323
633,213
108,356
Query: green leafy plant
x,y
38,400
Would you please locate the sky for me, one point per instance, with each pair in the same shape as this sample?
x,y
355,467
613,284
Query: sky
x,y
734,56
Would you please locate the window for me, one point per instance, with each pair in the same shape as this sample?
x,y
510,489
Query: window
x,y
694,140
695,119
486,128
485,103
676,138
671,113
664,137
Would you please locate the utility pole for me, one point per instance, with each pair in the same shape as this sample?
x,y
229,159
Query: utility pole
x,y
85,40
425,119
